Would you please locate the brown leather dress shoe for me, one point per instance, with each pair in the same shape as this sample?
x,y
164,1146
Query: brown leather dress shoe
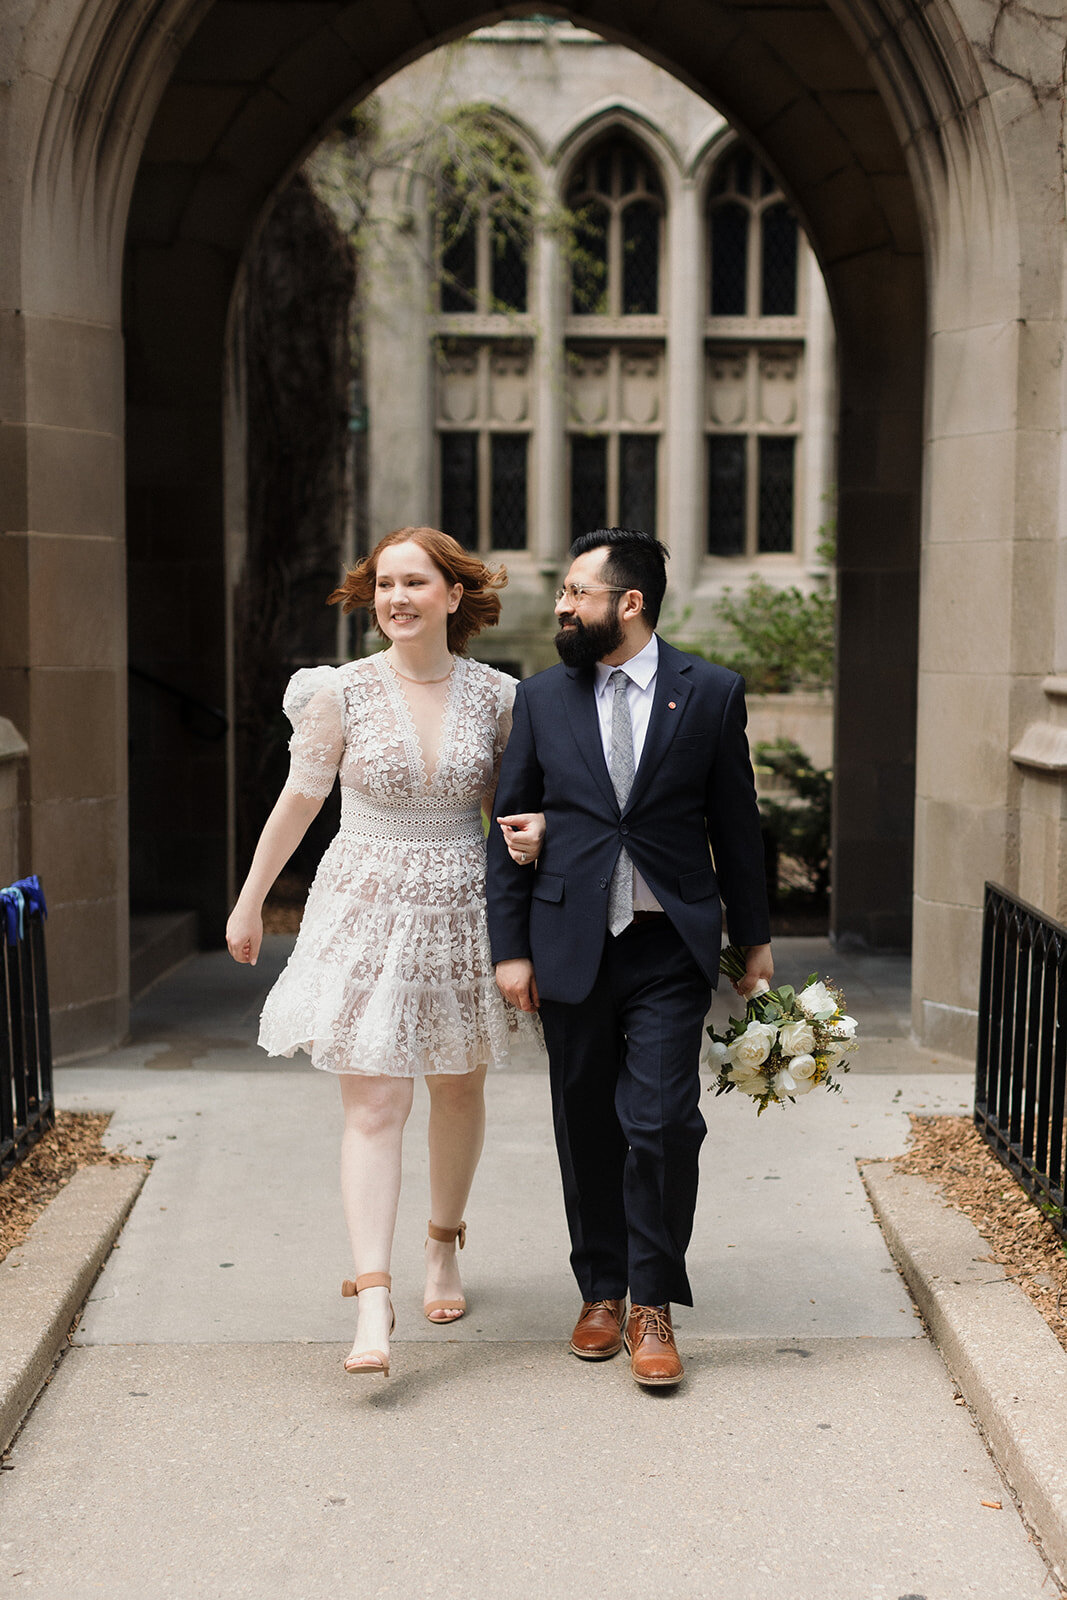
x,y
598,1331
654,1360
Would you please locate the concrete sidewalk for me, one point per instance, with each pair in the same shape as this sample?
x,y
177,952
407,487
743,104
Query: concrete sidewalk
x,y
201,1439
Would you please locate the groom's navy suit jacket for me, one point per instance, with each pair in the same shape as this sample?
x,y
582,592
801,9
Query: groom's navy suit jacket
x,y
693,788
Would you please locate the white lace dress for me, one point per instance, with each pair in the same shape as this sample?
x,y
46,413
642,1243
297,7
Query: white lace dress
x,y
391,973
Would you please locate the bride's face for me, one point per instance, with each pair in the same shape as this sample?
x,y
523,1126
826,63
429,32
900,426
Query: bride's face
x,y
412,598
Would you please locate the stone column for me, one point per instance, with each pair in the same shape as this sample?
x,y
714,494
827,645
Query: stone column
x,y
550,531
684,434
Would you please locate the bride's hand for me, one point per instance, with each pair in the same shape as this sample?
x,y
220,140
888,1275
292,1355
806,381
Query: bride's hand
x,y
524,834
244,935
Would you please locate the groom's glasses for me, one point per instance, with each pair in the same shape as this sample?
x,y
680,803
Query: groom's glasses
x,y
576,592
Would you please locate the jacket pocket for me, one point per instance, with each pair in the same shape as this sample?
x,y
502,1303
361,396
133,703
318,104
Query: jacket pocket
x,y
547,886
697,885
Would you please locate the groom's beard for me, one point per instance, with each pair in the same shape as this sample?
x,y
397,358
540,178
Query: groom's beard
x,y
583,644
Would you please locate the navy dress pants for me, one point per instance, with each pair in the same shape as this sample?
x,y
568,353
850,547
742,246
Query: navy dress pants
x,y
626,1108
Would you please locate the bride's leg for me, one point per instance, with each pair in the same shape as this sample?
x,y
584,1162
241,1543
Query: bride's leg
x,y
376,1110
456,1136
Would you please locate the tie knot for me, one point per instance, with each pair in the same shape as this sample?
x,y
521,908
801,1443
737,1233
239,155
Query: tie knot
x,y
619,679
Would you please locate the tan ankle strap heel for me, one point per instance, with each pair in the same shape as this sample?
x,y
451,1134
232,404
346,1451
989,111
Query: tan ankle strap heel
x,y
443,1312
446,1235
366,1280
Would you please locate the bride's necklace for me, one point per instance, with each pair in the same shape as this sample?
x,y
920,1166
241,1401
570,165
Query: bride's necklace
x,y
423,681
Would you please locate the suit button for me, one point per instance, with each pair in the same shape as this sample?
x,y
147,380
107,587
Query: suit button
x,y
623,827
603,883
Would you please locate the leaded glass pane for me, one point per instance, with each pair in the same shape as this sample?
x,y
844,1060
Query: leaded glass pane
x,y
459,487
589,482
778,288
726,494
640,259
637,481
507,510
509,276
589,266
729,260
459,265
776,494
743,171
767,183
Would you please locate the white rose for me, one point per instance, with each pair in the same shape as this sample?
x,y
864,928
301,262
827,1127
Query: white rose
x,y
831,1056
784,1083
751,1048
716,1052
796,1038
803,1068
844,1028
804,1086
753,1083
816,998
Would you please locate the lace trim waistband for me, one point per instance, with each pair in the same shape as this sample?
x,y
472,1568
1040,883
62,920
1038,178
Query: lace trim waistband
x,y
427,821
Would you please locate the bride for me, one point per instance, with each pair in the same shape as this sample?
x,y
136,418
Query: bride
x,y
391,977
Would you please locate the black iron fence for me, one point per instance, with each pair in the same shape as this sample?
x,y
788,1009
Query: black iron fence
x,y
27,1106
1022,1046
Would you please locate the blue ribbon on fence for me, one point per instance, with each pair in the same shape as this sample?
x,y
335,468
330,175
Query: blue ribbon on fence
x,y
25,893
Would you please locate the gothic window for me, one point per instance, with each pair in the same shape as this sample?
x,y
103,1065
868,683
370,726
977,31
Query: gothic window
x,y
753,239
753,370
483,427
615,406
484,228
617,201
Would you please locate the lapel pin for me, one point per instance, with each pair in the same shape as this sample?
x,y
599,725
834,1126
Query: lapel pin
x,y
671,706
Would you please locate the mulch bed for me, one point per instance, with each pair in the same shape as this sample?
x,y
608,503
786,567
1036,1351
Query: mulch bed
x,y
74,1142
951,1153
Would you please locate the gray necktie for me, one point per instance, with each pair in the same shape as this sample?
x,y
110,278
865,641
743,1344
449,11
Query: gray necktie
x,y
621,767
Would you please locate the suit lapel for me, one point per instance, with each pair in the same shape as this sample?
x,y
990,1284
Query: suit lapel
x,y
672,690
579,700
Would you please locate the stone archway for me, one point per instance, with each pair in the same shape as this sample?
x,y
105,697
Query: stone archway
x,y
185,114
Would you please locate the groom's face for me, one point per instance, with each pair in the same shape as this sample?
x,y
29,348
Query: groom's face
x,y
589,627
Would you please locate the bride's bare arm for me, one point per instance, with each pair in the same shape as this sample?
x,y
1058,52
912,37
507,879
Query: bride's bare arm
x,y
282,832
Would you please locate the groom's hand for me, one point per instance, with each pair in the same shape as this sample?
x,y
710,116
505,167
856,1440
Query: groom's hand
x,y
516,982
759,967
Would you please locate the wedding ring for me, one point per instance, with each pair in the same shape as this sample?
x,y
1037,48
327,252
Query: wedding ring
x,y
522,855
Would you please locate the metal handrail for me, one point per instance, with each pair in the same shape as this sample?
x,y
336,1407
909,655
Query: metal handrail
x,y
1021,1064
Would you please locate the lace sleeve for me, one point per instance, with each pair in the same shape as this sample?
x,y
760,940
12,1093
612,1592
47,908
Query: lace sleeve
x,y
505,703
314,704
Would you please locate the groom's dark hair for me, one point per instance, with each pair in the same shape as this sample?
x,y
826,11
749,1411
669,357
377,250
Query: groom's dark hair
x,y
634,560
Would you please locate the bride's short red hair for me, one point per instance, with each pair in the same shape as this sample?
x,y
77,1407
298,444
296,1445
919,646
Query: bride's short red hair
x,y
479,607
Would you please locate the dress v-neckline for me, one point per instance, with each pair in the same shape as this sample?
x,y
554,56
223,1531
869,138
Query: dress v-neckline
x,y
420,776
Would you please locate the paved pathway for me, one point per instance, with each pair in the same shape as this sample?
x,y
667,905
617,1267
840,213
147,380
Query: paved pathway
x,y
201,1438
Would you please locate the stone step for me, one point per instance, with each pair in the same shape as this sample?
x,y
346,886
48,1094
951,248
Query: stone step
x,y
159,942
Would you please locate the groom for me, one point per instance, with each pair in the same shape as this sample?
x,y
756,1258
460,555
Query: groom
x,y
637,755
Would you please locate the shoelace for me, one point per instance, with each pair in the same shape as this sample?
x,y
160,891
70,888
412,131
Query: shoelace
x,y
651,1323
596,1305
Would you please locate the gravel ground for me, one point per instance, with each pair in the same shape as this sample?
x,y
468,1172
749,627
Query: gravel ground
x,y
74,1142
951,1152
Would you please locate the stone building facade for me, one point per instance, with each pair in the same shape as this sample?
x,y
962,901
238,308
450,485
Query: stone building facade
x,y
689,389
921,144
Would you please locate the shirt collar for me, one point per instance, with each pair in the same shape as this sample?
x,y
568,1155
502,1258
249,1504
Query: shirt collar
x,y
641,667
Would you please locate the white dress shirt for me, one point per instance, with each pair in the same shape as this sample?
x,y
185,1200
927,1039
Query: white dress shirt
x,y
641,671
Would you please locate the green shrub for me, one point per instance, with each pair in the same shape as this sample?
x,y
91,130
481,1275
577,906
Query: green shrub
x,y
799,824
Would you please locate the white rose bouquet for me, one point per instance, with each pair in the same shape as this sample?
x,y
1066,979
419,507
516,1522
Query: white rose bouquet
x,y
786,1043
